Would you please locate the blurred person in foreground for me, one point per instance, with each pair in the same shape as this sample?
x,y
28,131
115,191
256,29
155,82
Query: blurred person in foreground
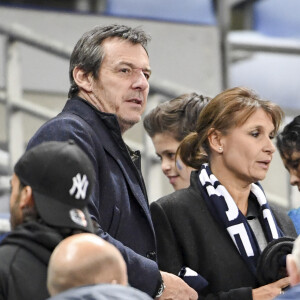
x,y
50,188
167,125
288,144
293,267
84,266
109,73
220,226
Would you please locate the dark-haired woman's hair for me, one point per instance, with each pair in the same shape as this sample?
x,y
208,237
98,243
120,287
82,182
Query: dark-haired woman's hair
x,y
177,117
288,141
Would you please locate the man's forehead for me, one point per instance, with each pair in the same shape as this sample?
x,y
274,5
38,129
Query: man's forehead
x,y
116,47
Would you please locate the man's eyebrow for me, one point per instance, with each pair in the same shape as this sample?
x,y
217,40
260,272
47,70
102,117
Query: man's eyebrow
x,y
131,65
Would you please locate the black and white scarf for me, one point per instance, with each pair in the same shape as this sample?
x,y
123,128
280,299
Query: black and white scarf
x,y
225,210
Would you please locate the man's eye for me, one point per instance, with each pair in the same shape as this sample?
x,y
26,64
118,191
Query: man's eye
x,y
125,70
147,75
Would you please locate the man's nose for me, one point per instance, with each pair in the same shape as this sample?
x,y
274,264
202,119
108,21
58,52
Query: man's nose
x,y
140,80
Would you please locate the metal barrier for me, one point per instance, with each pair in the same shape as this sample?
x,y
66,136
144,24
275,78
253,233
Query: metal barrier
x,y
13,95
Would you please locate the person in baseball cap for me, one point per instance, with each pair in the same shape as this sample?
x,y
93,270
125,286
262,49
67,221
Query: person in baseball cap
x,y
61,177
50,188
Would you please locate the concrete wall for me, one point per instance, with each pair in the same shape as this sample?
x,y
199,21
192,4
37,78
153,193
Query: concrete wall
x,y
183,54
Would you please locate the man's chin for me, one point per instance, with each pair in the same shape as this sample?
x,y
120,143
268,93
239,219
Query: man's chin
x,y
126,124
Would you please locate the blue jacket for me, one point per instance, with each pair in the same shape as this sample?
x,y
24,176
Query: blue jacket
x,y
119,202
294,214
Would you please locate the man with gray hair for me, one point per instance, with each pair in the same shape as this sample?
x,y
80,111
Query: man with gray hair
x,y
109,73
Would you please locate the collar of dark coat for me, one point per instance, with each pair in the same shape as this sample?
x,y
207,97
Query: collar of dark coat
x,y
111,122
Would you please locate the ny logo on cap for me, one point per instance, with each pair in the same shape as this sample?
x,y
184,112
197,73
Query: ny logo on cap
x,y
81,185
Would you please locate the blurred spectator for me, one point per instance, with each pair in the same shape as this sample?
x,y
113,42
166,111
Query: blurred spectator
x,y
293,267
288,144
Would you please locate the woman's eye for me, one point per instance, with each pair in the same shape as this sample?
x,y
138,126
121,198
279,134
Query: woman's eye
x,y
255,134
171,155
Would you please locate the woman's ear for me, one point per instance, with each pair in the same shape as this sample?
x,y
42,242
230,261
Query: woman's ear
x,y
26,199
82,79
214,139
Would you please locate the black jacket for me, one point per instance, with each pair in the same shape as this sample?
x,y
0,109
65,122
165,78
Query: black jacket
x,y
188,235
24,257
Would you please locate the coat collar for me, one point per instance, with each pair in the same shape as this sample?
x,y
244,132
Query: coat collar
x,y
113,142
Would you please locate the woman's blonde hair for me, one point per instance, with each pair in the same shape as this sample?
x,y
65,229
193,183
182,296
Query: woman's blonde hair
x,y
229,109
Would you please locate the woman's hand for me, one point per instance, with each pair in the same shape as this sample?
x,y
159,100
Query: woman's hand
x,y
271,290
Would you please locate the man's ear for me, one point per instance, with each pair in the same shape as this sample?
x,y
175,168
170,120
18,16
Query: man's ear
x,y
292,270
82,79
214,139
26,199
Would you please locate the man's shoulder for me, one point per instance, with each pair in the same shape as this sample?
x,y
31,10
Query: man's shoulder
x,y
9,254
77,114
69,124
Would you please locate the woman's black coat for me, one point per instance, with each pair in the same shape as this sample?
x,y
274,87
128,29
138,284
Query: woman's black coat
x,y
188,235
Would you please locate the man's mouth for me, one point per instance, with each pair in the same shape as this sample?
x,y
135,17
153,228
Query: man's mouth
x,y
136,101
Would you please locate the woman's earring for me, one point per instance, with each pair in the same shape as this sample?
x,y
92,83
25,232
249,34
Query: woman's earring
x,y
220,149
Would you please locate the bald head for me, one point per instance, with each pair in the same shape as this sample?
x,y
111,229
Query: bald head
x,y
84,259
